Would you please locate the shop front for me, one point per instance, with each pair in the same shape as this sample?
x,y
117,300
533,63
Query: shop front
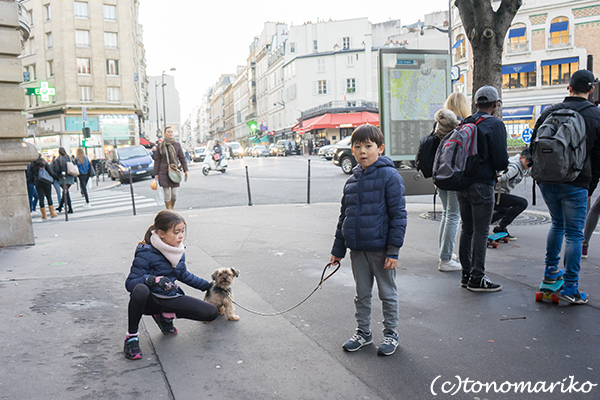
x,y
519,121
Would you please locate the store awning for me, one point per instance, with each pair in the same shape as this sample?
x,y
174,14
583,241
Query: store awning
x,y
348,120
525,112
518,68
559,26
560,61
517,32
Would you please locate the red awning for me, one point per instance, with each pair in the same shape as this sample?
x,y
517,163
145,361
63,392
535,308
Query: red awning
x,y
349,120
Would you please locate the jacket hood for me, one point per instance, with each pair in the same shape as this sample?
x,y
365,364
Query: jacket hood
x,y
446,121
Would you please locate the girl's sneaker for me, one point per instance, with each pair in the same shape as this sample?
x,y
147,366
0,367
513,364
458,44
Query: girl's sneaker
x,y
388,344
358,340
165,325
584,251
553,274
132,348
571,294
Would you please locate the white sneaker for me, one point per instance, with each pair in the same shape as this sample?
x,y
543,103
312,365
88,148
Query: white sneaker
x,y
450,265
37,214
454,257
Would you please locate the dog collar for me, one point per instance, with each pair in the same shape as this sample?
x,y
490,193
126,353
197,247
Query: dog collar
x,y
227,291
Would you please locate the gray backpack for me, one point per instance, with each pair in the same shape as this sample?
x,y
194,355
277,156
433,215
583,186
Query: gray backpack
x,y
559,148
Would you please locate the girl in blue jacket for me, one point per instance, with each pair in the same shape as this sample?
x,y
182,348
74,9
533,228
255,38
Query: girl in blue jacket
x,y
160,261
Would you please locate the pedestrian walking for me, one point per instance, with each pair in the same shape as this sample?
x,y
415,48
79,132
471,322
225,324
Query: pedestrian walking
x,y
42,176
66,180
372,224
32,193
456,109
310,147
508,206
567,200
57,186
477,201
86,170
159,262
169,152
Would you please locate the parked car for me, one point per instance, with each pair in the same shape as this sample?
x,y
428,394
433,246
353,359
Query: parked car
x,y
284,146
199,154
135,159
260,150
342,155
326,151
238,151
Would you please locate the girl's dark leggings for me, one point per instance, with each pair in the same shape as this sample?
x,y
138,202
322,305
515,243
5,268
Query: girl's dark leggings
x,y
142,302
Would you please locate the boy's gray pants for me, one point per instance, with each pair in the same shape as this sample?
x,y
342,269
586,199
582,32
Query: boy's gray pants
x,y
366,267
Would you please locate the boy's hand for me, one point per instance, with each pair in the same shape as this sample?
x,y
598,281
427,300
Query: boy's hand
x,y
334,259
390,263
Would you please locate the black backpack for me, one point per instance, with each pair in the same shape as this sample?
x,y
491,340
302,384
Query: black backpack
x,y
426,153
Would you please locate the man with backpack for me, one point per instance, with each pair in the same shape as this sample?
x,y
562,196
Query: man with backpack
x,y
477,200
566,164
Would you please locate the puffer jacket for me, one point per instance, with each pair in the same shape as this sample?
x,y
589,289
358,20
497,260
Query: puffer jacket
x,y
149,261
373,213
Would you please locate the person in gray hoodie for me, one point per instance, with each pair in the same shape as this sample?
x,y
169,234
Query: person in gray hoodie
x,y
510,206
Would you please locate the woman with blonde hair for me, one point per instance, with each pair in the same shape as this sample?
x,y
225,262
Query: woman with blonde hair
x,y
456,108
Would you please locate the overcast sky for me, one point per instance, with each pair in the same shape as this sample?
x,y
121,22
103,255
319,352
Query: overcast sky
x,y
203,39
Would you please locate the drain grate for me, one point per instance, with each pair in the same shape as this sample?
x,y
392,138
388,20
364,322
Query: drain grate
x,y
526,218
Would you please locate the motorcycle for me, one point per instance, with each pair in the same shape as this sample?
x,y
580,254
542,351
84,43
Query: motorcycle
x,y
211,163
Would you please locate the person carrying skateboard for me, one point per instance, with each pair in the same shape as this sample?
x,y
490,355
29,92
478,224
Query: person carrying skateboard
x,y
510,206
567,199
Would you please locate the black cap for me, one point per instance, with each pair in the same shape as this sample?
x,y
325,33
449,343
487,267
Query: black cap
x,y
582,81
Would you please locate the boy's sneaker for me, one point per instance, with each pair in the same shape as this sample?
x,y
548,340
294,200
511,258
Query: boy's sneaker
x,y
553,274
450,265
388,344
499,229
464,281
132,348
571,294
165,325
584,251
483,285
358,340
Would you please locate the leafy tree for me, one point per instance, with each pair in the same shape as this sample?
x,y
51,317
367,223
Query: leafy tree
x,y
486,29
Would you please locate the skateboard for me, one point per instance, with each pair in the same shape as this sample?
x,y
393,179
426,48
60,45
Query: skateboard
x,y
549,291
495,238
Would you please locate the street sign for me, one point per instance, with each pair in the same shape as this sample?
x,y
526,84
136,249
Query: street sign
x,y
301,131
84,113
526,135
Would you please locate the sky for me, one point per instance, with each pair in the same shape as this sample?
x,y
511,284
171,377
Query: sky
x,y
203,39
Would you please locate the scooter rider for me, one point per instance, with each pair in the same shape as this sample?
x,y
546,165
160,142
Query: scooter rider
x,y
217,149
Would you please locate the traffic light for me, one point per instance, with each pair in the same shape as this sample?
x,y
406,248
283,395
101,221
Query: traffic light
x,y
252,125
86,132
84,143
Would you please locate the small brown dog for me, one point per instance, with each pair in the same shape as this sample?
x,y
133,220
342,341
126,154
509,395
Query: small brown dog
x,y
218,294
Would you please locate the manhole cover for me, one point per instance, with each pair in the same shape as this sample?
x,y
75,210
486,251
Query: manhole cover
x,y
525,218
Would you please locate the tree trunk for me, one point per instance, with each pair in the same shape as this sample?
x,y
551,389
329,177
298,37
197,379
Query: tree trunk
x,y
486,29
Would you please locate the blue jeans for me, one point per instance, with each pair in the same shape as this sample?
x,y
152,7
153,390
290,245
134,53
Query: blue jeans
x,y
476,207
449,224
568,207
33,196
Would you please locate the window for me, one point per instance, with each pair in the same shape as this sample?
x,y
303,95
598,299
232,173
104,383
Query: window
x,y
292,47
517,39
112,67
110,40
518,75
49,40
30,16
350,62
33,101
26,76
29,73
82,38
85,93
346,43
81,9
84,66
110,13
460,47
320,65
29,47
350,85
322,87
558,72
48,13
50,68
315,47
113,94
559,32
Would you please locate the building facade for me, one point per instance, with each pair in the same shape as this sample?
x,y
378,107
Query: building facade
x,y
86,60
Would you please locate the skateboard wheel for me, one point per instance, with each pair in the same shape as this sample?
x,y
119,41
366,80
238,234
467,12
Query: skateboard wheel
x,y
539,296
495,245
555,299
506,240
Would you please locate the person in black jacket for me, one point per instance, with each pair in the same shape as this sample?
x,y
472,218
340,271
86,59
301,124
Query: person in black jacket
x,y
44,188
66,180
567,202
477,201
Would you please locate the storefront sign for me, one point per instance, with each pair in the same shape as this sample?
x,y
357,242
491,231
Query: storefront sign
x,y
115,128
75,124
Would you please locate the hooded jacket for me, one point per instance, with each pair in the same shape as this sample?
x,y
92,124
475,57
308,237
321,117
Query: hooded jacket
x,y
149,261
445,122
514,175
373,213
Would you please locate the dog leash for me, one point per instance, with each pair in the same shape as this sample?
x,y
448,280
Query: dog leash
x,y
324,277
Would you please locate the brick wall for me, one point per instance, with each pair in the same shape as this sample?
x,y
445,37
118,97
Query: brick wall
x,y
586,36
538,39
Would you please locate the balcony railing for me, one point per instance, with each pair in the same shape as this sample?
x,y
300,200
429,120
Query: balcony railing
x,y
24,23
517,47
340,104
560,41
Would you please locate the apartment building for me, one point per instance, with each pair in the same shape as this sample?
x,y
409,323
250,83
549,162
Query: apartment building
x,y
86,60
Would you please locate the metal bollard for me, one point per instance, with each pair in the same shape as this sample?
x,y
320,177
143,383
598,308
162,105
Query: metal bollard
x,y
308,185
248,185
64,196
131,187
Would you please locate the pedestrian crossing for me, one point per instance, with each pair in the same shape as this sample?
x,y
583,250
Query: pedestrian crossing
x,y
103,202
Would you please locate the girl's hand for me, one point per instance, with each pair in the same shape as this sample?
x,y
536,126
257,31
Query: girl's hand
x,y
390,263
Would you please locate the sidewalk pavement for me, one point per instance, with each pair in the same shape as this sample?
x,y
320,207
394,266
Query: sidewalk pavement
x,y
64,310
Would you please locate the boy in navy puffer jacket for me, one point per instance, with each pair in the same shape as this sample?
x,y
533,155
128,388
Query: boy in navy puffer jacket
x,y
372,224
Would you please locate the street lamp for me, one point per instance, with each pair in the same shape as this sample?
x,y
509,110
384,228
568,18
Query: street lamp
x,y
156,101
163,90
